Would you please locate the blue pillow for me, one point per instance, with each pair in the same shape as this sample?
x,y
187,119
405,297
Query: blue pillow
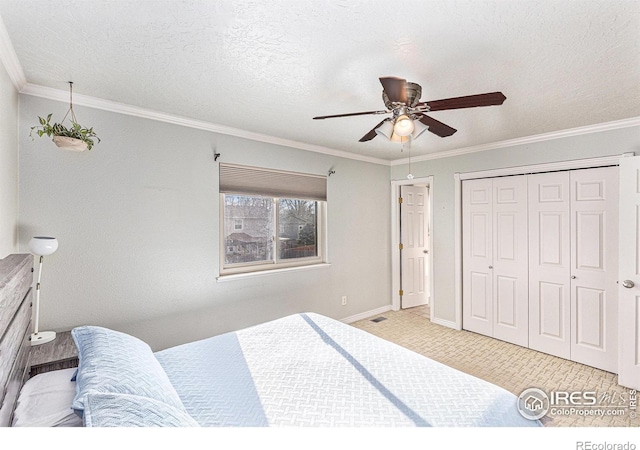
x,y
124,410
116,362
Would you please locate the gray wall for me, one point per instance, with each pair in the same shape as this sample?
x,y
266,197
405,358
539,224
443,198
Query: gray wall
x,y
137,221
612,142
8,165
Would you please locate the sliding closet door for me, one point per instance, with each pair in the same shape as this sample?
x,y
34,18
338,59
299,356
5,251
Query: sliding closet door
x,y
594,255
477,258
510,260
549,264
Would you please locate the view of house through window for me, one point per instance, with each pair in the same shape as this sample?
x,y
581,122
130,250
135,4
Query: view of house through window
x,y
254,241
270,219
298,225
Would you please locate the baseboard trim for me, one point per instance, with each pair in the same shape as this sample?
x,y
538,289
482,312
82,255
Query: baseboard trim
x,y
364,315
445,323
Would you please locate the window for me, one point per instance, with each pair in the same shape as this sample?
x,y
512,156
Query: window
x,y
270,219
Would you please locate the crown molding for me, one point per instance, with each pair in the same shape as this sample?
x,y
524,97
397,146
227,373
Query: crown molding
x,y
123,108
606,126
10,60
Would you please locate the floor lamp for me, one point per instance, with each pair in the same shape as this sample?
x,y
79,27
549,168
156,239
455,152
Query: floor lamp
x,y
41,246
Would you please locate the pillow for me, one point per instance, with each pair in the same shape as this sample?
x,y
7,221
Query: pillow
x,y
116,362
45,401
124,410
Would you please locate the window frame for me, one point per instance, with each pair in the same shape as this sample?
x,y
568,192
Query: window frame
x,y
276,263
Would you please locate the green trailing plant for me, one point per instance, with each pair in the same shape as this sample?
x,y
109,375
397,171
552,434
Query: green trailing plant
x,y
76,131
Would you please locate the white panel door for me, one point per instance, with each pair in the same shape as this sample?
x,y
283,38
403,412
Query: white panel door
x,y
629,288
549,264
594,272
510,260
477,257
413,234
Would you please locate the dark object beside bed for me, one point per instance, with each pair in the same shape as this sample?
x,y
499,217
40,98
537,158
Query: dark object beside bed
x,y
16,277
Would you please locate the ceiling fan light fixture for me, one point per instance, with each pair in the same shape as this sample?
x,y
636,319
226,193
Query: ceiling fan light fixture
x,y
403,126
418,129
386,129
397,138
409,120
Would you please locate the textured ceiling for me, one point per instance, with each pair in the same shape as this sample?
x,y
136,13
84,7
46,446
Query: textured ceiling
x,y
269,67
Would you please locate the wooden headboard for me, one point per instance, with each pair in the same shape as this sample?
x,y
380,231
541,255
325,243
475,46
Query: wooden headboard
x,y
16,277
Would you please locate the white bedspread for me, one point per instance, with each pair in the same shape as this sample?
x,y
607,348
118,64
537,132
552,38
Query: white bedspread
x,y
309,370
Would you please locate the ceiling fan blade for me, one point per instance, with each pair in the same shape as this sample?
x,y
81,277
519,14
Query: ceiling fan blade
x,y
468,101
371,134
437,127
395,89
351,114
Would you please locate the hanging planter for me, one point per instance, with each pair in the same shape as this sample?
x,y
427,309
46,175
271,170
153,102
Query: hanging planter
x,y
76,138
69,143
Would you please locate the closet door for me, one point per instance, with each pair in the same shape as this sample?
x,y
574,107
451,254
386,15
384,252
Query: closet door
x,y
477,258
510,260
594,272
629,265
549,264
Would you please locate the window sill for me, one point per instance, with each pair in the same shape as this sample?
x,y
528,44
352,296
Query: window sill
x,y
237,276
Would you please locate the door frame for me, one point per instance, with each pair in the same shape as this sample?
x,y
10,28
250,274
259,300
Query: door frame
x,y
395,240
613,160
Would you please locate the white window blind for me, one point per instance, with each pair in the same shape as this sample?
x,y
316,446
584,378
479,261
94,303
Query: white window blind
x,y
236,179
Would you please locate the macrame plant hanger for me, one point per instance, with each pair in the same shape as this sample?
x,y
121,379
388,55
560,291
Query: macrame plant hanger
x,y
66,142
69,143
70,110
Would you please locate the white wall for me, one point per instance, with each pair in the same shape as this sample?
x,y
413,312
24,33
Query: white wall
x,y
137,222
8,165
612,142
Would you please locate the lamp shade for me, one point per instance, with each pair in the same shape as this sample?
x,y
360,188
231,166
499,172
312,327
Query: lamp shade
x,y
403,126
419,128
43,245
386,129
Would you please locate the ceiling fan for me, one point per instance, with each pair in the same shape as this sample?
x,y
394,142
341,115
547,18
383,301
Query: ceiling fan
x,y
409,119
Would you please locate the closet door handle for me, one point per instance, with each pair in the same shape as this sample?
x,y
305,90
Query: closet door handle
x,y
573,277
628,284
490,267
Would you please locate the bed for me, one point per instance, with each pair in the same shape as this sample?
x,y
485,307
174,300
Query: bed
x,y
303,370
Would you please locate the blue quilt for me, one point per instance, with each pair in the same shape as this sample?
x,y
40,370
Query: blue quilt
x,y
309,370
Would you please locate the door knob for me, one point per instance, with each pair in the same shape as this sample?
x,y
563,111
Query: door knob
x,y
573,277
628,284
490,267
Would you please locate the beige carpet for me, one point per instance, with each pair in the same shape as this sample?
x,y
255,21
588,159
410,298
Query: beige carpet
x,y
510,366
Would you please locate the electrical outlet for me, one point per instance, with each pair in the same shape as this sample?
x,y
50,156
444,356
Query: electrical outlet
x,y
344,300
